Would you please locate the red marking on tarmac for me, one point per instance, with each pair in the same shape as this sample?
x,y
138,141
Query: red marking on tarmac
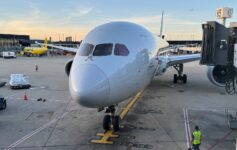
x,y
219,141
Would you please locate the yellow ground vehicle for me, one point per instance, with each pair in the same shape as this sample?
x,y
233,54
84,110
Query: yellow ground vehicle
x,y
36,51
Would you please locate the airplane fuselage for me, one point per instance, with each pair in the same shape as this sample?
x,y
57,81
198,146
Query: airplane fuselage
x,y
114,61
36,50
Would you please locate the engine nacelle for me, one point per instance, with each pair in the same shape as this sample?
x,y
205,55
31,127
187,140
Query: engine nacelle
x,y
68,66
217,75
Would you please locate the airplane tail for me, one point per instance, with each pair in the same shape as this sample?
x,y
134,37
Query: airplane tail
x,y
161,25
46,43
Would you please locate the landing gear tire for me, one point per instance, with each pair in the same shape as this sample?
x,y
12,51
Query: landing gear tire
x,y
107,122
111,120
175,78
184,78
180,77
116,123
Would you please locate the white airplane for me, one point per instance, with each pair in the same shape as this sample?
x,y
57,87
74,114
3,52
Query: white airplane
x,y
115,61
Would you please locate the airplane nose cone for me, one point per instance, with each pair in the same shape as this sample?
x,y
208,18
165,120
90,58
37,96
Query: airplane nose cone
x,y
89,85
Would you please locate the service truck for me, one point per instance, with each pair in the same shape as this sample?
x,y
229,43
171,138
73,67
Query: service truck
x,y
8,54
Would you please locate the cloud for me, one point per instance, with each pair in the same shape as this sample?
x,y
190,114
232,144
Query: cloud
x,y
143,20
74,13
35,11
42,31
174,27
155,19
39,23
82,11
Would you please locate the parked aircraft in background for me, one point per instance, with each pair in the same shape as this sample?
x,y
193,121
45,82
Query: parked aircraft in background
x,y
36,51
117,60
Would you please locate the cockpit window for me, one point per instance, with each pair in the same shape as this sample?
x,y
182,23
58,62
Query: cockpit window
x,y
86,49
121,50
103,50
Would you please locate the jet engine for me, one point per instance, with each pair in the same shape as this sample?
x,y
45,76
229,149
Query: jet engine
x,y
68,66
217,75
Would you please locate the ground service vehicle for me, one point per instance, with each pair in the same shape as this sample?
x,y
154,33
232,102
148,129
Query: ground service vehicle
x,y
19,81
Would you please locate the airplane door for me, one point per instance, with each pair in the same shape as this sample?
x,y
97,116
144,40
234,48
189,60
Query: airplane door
x,y
143,63
151,65
143,60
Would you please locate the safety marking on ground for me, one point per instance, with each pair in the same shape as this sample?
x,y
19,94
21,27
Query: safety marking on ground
x,y
210,109
236,144
31,134
129,105
132,127
136,145
36,99
105,137
37,87
221,140
187,128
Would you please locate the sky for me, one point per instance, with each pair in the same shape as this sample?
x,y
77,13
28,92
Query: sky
x,y
62,18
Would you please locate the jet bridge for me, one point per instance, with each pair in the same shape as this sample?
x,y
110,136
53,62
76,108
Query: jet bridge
x,y
219,49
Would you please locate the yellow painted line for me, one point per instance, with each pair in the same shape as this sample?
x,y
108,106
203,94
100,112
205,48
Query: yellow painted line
x,y
129,105
109,134
105,137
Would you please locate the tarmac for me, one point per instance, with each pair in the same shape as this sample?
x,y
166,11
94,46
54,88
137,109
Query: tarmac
x,y
162,118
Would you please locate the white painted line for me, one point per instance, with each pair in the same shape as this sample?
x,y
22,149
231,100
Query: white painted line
x,y
35,99
13,145
39,129
207,109
30,135
186,132
186,129
215,109
189,131
11,95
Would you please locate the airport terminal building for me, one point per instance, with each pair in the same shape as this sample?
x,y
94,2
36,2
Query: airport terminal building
x,y
12,42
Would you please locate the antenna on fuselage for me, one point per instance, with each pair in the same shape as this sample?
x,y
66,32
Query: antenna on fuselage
x,y
161,25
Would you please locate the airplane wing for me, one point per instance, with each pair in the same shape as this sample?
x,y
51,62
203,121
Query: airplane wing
x,y
69,49
167,61
179,59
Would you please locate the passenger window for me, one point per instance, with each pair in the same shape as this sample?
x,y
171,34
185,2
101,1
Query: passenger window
x,y
86,49
103,50
121,50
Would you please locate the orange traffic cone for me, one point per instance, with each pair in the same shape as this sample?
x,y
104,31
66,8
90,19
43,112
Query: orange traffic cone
x,y
25,97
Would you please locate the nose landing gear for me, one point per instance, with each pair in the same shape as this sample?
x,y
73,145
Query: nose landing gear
x,y
180,77
111,121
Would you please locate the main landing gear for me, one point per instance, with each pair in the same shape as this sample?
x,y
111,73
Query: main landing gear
x,y
180,77
111,121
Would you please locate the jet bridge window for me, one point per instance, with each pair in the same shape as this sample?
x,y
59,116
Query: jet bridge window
x,y
103,50
121,50
86,49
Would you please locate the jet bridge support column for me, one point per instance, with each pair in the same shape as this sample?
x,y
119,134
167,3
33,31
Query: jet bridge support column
x,y
231,119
